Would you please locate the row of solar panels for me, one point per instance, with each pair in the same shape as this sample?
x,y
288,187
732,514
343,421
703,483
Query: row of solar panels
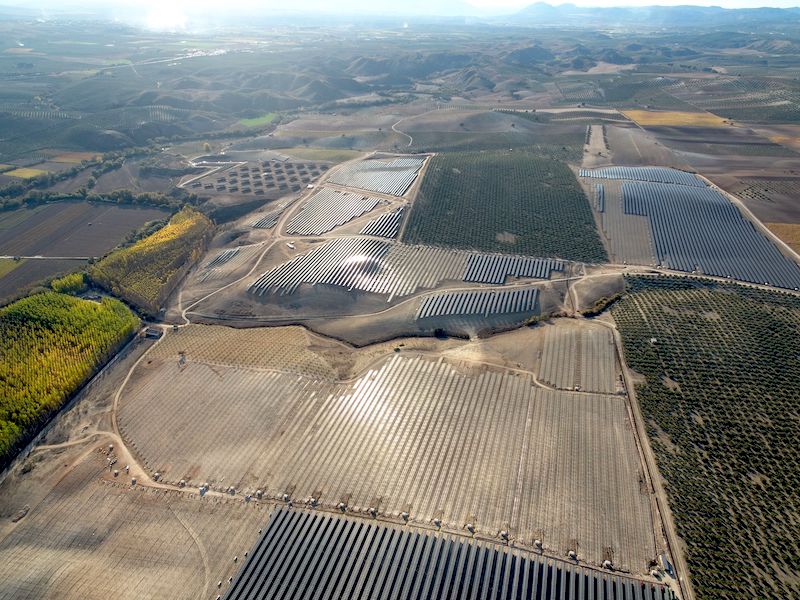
x,y
495,268
698,229
386,225
652,174
309,555
395,269
479,303
393,178
327,209
600,197
222,258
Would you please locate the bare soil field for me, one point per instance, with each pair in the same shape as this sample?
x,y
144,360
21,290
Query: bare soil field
x,y
773,195
72,228
633,146
31,273
647,118
94,536
579,356
428,437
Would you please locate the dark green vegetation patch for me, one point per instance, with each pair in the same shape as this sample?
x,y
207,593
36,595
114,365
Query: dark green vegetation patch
x,y
50,345
502,201
722,405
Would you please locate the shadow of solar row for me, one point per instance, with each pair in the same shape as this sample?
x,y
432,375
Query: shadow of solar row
x,y
310,555
495,268
479,303
698,229
328,209
651,174
387,225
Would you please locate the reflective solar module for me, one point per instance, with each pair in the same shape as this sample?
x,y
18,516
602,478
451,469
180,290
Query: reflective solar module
x,y
600,197
384,267
222,257
479,303
698,229
387,225
327,209
495,268
305,554
652,174
394,177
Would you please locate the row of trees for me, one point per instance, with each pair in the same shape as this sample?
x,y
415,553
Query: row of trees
x,y
516,202
145,273
50,344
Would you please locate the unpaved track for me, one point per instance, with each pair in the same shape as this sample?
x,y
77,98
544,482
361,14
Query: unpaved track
x,y
663,513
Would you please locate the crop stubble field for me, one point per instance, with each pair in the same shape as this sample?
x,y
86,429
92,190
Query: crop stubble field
x,y
721,403
466,444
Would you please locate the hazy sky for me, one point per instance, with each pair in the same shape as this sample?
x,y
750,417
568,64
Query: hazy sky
x,y
373,7
175,15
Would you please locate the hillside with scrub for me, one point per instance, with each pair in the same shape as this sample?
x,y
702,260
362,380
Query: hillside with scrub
x,y
50,345
145,273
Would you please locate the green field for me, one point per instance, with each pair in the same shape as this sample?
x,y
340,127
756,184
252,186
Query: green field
x,y
722,406
145,273
50,344
502,201
259,121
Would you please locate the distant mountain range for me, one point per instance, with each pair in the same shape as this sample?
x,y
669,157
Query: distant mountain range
x,y
655,16
321,12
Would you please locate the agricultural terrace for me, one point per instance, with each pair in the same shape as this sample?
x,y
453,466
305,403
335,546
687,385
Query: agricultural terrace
x,y
722,405
503,201
669,118
145,273
50,344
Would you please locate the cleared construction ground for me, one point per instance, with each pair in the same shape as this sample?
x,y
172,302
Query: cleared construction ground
x,y
472,445
94,537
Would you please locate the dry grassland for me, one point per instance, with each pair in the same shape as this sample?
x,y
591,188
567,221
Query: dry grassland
x,y
669,118
74,158
25,173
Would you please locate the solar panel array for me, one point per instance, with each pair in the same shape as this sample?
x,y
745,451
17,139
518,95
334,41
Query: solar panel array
x,y
365,264
394,177
386,225
267,221
384,267
698,229
479,303
494,268
600,197
651,174
302,555
328,209
222,257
